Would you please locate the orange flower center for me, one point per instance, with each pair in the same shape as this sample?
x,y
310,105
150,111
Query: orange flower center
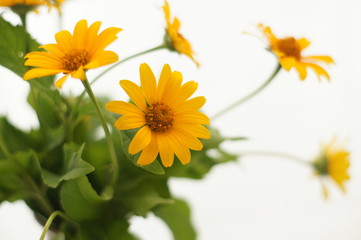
x,y
289,47
75,58
159,117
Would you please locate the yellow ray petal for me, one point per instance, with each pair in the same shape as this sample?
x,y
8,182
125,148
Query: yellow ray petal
x,y
190,105
39,72
105,38
165,151
196,130
80,34
43,60
79,74
287,62
301,69
129,122
326,59
187,140
92,36
163,79
123,108
65,41
180,150
135,93
59,83
149,153
318,70
140,140
192,117
148,83
54,49
102,59
172,86
303,43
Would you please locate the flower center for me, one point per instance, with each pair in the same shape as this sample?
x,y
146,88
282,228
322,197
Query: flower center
x,y
159,117
289,47
75,58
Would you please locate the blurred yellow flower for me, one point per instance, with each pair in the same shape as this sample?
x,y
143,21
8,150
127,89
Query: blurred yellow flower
x,y
175,40
333,162
169,122
10,3
73,54
289,53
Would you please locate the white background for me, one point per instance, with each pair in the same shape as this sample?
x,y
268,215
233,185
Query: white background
x,y
255,198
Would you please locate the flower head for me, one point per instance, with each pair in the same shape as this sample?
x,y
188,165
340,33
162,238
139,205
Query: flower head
x,y
174,38
73,54
169,122
333,162
289,53
11,3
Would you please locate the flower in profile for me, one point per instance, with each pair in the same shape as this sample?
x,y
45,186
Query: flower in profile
x,y
333,163
73,54
289,52
173,38
169,121
11,3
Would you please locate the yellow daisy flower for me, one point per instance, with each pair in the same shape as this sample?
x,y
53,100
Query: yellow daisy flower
x,y
169,122
73,54
333,162
289,53
11,3
175,40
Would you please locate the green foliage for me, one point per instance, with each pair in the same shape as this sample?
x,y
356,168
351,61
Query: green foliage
x,y
15,42
178,218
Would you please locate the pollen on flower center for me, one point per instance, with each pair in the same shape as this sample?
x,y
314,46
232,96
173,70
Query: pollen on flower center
x,y
159,117
289,47
75,58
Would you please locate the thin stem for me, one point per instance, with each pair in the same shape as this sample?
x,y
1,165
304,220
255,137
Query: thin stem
x,y
50,221
126,59
113,156
249,96
277,155
23,19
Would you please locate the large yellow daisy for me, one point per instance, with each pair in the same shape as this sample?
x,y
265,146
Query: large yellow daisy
x,y
10,3
289,53
73,54
169,122
176,39
333,162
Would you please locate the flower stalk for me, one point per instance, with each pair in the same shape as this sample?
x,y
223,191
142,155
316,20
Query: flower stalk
x,y
114,168
249,96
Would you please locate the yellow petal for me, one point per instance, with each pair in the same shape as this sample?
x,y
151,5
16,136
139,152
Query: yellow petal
x,y
163,81
318,70
180,150
184,93
187,140
80,34
140,140
326,59
287,62
135,93
196,130
65,41
39,72
129,122
59,83
102,59
172,87
92,36
54,49
79,74
105,38
303,43
148,82
43,60
190,105
149,153
301,69
165,151
123,108
192,117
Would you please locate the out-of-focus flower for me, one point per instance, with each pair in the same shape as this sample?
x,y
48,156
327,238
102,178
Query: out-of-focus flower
x,y
289,52
169,122
11,3
73,54
173,38
333,162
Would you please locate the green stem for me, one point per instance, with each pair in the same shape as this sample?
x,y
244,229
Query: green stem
x,y
126,59
23,19
249,96
277,155
50,221
114,169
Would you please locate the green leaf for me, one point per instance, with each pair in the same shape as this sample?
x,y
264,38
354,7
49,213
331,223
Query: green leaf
x,y
15,42
74,166
154,167
141,195
178,218
80,201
